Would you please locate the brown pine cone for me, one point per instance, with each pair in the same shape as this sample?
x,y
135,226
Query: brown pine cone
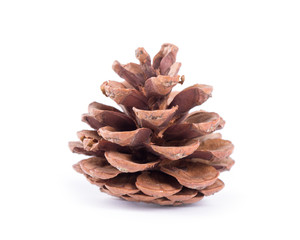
x,y
155,150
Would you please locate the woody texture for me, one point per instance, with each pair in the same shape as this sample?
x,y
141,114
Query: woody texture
x,y
155,150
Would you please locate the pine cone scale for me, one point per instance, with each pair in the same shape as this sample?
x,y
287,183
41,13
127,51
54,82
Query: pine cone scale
x,y
133,138
175,152
190,174
157,184
125,162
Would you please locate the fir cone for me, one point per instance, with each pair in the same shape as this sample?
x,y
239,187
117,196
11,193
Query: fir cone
x,y
154,150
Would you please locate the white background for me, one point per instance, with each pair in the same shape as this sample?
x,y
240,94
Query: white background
x,y
55,54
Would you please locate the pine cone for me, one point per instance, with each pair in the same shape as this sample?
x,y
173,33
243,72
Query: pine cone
x,y
154,150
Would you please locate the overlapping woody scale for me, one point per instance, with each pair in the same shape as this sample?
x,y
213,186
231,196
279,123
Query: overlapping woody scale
x,y
154,150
